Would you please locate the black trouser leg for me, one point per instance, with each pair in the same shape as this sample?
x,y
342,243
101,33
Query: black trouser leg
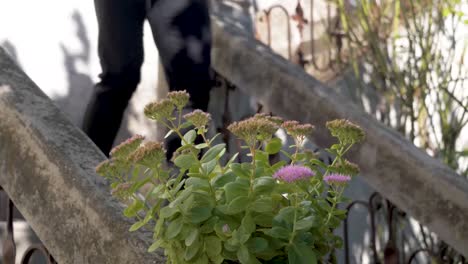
x,y
182,32
120,48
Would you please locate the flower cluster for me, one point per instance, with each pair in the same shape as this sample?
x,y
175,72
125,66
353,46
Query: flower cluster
x,y
127,147
104,168
337,179
122,190
345,131
348,168
293,173
252,129
179,98
150,155
198,118
275,119
295,129
159,111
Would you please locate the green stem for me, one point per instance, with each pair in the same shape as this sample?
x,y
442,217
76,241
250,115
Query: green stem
x,y
252,177
334,203
293,234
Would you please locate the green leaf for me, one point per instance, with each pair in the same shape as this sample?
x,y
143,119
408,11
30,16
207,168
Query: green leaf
x,y
198,184
178,187
222,179
234,190
185,125
262,205
299,253
157,190
232,244
263,185
241,235
239,170
189,137
185,161
192,250
248,224
257,244
134,208
243,254
169,133
218,259
214,138
229,254
305,223
264,219
174,228
262,157
319,163
238,205
209,166
245,257
335,146
137,225
278,165
168,211
155,245
209,225
278,232
203,259
213,152
199,214
274,146
339,212
289,156
158,227
213,246
285,216
193,235
232,159
201,146
182,196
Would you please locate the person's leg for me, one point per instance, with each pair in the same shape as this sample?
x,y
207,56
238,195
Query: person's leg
x,y
120,51
182,32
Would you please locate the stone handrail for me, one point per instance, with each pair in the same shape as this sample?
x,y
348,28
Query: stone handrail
x,y
47,169
421,186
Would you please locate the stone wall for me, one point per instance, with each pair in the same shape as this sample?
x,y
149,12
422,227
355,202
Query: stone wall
x,y
47,169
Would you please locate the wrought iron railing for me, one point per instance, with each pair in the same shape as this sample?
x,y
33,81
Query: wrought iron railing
x,y
9,245
333,34
391,251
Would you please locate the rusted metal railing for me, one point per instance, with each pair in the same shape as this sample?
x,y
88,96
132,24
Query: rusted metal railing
x,y
334,34
9,245
391,253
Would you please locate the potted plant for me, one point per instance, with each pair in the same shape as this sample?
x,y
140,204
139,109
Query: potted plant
x,y
211,209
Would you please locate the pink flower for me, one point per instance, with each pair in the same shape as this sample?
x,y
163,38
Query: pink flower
x,y
292,173
336,178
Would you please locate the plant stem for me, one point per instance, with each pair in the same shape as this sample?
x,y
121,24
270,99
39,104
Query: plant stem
x,y
293,234
334,203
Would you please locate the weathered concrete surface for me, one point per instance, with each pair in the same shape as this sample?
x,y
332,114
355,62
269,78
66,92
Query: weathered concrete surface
x,y
415,182
47,169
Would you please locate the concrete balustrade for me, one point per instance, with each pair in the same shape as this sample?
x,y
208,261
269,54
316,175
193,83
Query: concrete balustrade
x,y
47,169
